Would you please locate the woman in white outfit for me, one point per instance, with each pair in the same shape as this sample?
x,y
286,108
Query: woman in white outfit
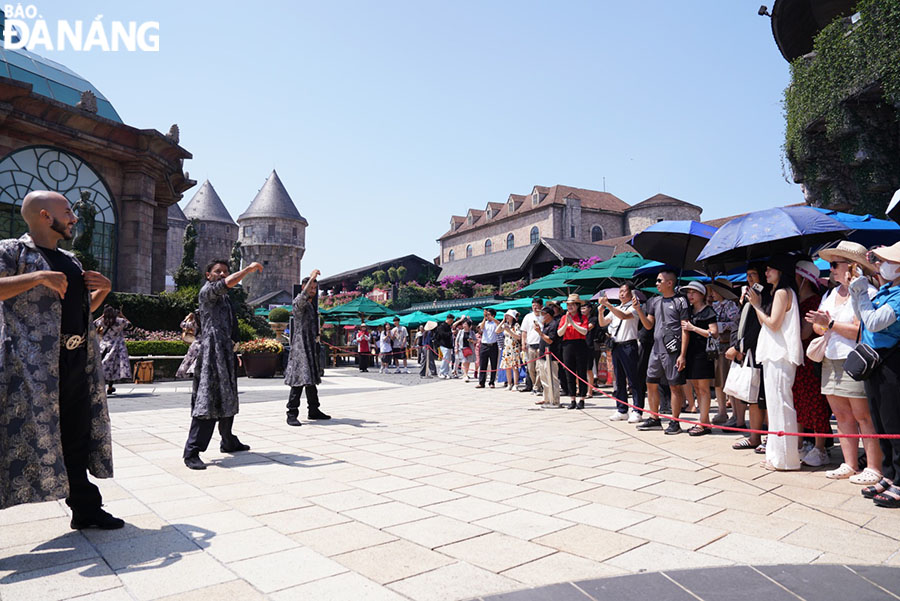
x,y
780,351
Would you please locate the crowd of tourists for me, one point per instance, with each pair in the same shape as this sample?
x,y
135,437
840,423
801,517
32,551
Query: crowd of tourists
x,y
786,335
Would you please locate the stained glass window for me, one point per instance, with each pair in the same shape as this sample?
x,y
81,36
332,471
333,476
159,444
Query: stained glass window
x,y
48,168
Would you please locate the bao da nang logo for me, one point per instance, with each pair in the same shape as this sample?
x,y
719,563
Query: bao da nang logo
x,y
23,26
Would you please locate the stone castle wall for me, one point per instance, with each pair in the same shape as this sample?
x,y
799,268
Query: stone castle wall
x,y
279,245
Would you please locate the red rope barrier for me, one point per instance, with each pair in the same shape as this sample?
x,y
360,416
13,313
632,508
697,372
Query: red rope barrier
x,y
729,428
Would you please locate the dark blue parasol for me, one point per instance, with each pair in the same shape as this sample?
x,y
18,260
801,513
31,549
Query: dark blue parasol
x,y
675,243
766,233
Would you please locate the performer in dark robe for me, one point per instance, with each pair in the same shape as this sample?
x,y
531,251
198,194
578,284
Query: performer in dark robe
x,y
54,423
215,397
302,372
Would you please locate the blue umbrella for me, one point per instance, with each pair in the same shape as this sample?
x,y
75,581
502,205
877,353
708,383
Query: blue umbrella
x,y
867,230
675,242
766,233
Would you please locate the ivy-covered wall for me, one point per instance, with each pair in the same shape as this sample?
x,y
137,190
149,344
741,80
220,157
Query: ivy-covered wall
x,y
842,134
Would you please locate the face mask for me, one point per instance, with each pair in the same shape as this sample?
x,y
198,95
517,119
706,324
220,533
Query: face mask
x,y
889,271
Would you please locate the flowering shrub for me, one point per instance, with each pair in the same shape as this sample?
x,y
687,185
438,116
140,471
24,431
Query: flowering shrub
x,y
260,345
586,263
134,333
335,300
508,288
484,290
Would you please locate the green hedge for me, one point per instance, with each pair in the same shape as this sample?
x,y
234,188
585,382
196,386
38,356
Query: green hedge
x,y
141,348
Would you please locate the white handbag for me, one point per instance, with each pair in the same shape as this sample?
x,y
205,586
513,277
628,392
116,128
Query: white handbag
x,y
743,380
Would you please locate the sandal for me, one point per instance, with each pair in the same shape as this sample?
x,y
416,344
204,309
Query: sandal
x,y
870,492
760,450
889,498
867,476
844,471
743,444
699,430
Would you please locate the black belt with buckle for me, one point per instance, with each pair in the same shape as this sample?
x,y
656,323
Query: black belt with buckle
x,y
70,342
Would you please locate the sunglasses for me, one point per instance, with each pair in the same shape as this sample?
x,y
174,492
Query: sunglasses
x,y
836,263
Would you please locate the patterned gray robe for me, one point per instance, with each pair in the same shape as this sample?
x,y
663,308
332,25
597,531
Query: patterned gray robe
x,y
31,459
303,365
215,372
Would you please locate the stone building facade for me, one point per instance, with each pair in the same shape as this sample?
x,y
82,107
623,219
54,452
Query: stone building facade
x,y
273,233
217,232
59,133
177,223
557,213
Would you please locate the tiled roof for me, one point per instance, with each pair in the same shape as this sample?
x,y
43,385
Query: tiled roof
x,y
516,258
661,200
590,199
176,214
207,206
618,245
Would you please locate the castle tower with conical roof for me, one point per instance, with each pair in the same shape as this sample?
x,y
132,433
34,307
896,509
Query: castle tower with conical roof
x,y
174,243
216,232
272,233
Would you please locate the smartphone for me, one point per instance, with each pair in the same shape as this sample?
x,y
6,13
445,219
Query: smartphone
x,y
758,288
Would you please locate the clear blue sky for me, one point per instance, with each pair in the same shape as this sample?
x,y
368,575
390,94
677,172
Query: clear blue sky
x,y
383,119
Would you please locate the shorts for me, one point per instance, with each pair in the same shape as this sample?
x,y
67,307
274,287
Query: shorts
x,y
662,368
837,383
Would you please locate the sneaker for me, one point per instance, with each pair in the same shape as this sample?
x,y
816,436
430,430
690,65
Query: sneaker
x,y
651,423
673,427
634,417
806,448
618,417
816,458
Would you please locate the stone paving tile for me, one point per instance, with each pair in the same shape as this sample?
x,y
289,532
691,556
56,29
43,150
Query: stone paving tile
x,y
244,544
677,490
741,522
589,542
348,499
392,561
825,582
495,552
469,509
635,588
32,512
342,538
423,495
737,583
655,556
545,502
565,591
740,548
58,582
861,547
39,531
616,497
155,548
494,491
451,480
285,569
561,486
437,531
604,516
456,581
337,588
305,518
236,589
622,480
387,514
523,524
674,532
684,511
65,549
186,573
560,567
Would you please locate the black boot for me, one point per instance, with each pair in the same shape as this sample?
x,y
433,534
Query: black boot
x,y
573,405
292,420
581,404
97,519
317,414
233,445
194,462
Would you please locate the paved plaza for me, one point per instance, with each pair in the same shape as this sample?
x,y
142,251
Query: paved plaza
x,y
438,491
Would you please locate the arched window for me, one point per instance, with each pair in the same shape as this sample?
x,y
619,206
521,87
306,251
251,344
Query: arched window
x,y
452,256
468,251
510,242
49,168
535,235
596,233
487,246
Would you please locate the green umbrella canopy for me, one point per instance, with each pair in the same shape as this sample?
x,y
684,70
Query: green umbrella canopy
x,y
519,304
615,270
360,306
554,283
415,319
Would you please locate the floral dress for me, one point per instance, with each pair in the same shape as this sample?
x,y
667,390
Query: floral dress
x,y
186,369
512,340
113,353
813,411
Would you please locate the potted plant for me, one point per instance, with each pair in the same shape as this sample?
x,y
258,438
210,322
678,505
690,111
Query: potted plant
x,y
260,357
278,321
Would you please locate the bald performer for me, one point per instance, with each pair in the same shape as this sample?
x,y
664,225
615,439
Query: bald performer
x,y
54,423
